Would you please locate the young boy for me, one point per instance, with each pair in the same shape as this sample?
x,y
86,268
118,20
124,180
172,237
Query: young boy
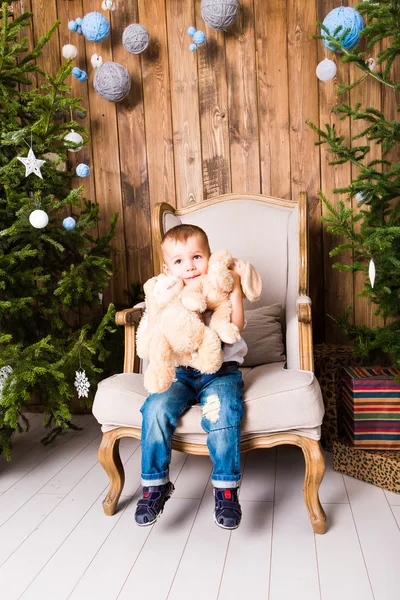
x,y
186,252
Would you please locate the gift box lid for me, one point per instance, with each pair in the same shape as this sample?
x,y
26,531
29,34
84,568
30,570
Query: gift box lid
x,y
359,378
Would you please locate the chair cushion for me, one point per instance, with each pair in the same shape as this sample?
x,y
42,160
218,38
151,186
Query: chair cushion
x,y
263,335
276,399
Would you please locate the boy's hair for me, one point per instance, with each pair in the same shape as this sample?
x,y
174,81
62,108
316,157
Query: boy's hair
x,y
180,233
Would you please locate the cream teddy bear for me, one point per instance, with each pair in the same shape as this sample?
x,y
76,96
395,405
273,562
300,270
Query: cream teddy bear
x,y
177,334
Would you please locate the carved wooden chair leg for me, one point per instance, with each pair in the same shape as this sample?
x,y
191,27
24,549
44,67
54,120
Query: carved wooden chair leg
x,y
111,462
315,469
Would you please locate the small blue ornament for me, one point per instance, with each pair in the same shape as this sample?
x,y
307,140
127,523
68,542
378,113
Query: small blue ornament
x,y
192,47
79,74
72,25
199,37
82,170
348,19
69,223
95,27
78,21
191,31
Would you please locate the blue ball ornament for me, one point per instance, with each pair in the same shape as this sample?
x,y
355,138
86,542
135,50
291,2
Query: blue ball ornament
x,y
82,170
348,19
199,37
72,25
95,27
192,47
78,21
191,31
79,74
69,223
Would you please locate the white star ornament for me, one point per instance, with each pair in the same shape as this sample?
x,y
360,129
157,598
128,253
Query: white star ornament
x,y
32,164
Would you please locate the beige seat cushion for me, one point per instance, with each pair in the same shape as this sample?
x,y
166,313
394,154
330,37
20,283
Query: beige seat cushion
x,y
276,399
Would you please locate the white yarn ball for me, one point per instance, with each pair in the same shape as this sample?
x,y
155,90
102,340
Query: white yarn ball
x,y
69,51
96,60
38,219
72,136
326,70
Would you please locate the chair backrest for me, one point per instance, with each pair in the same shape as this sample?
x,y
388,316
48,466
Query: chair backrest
x,y
259,229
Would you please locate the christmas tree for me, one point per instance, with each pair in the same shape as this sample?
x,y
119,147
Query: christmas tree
x,y
51,276
371,231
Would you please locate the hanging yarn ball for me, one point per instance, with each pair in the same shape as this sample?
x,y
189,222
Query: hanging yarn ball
x,y
348,19
96,60
135,38
219,14
191,31
199,37
69,51
326,69
192,47
79,74
112,81
74,137
82,170
108,5
95,27
69,223
38,219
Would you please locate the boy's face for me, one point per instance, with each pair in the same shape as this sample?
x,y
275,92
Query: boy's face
x,y
187,260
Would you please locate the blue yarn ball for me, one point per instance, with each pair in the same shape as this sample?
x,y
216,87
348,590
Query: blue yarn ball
x,y
192,47
191,31
95,27
347,18
82,170
199,37
72,25
69,223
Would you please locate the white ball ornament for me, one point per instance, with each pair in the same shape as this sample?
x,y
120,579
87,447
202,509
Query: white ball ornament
x,y
38,219
69,51
74,137
326,69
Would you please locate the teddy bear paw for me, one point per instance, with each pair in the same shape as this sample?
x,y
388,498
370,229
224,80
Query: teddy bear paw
x,y
228,332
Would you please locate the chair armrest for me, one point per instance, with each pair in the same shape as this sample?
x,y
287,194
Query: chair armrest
x,y
130,318
304,317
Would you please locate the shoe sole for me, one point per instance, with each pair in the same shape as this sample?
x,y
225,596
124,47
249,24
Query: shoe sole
x,y
159,514
223,526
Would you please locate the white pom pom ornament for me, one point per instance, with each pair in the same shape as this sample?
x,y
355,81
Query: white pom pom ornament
x,y
38,219
326,70
96,60
69,51
74,137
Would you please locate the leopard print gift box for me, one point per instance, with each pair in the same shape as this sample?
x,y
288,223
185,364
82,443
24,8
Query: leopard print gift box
x,y
329,360
379,467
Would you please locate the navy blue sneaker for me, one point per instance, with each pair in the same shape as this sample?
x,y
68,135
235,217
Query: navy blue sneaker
x,y
151,505
228,513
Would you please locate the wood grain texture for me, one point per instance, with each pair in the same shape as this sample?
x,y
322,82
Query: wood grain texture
x,y
133,159
185,104
213,107
157,101
105,144
273,100
242,102
50,58
305,167
338,288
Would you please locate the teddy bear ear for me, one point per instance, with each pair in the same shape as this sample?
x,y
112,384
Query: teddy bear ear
x,y
222,256
249,278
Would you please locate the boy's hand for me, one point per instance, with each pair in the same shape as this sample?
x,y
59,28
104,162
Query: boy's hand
x,y
236,282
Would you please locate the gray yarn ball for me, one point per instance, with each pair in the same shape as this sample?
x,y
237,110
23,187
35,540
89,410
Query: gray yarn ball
x,y
135,38
219,14
112,81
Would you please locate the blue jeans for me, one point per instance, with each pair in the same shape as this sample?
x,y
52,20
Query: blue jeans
x,y
220,396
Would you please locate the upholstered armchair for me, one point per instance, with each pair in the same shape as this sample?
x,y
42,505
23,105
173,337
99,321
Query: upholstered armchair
x,y
283,403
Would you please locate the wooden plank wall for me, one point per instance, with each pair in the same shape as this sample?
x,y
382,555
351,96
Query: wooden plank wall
x,y
229,117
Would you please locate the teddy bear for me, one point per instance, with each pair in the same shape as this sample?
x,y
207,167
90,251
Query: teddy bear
x,y
177,334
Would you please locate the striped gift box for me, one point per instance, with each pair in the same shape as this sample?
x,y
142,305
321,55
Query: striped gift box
x,y
370,407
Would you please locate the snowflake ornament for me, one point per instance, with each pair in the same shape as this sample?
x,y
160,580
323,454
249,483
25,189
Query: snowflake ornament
x,y
32,164
4,373
82,384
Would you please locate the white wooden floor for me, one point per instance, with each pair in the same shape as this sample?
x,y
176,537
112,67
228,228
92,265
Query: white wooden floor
x,y
56,543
